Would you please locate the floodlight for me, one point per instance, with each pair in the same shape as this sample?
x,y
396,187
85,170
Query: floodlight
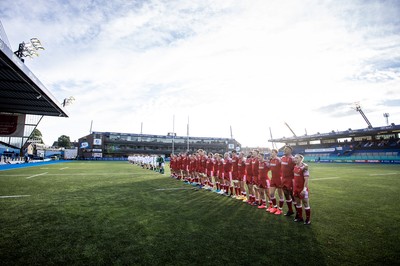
x,y
37,44
68,101
29,49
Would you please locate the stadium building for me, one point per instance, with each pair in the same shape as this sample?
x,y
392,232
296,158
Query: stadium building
x,y
121,145
368,145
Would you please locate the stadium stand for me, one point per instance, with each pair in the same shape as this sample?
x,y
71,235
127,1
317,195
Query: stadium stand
x,y
113,145
370,145
24,101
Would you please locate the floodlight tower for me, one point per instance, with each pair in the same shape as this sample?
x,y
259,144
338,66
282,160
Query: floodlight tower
x,y
358,109
294,134
68,101
29,49
386,116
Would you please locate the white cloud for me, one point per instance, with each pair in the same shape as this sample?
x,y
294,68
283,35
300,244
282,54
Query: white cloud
x,y
252,66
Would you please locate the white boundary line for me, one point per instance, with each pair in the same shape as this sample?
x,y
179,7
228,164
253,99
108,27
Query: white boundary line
x,y
174,188
383,174
36,175
82,174
15,196
332,177
64,168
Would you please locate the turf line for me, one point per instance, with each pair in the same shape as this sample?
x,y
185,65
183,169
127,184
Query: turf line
x,y
383,174
332,177
174,188
15,196
36,175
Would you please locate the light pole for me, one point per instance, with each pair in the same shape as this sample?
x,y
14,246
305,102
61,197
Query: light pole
x,y
386,116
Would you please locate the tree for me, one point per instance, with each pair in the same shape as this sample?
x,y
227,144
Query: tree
x,y
64,141
36,135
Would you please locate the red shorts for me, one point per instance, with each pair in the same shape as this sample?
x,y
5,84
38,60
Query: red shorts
x,y
297,194
249,180
287,183
209,173
220,175
227,176
276,182
235,175
263,183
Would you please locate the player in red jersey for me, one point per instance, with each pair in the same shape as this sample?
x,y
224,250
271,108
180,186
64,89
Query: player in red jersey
x,y
221,173
287,166
263,181
242,176
249,177
186,164
172,166
209,170
276,182
183,166
203,169
197,167
215,174
255,199
191,168
301,192
228,174
235,175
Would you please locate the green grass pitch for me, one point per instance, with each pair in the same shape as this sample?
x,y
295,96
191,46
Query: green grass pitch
x,y
102,213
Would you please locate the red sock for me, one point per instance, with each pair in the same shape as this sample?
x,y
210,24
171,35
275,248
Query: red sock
x,y
237,191
289,204
273,201
231,189
218,186
299,212
281,203
308,213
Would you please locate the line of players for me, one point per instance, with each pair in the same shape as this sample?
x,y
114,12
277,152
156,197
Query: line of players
x,y
151,162
246,178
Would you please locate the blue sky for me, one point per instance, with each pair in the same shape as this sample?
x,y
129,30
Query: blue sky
x,y
246,64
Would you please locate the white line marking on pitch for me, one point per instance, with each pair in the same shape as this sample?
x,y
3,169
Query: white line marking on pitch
x,y
15,196
36,175
162,189
383,174
64,168
333,177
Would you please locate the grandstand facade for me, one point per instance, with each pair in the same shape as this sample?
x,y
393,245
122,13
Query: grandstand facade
x,y
121,145
368,145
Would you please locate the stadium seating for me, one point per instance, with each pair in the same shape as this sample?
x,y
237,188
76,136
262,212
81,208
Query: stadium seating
x,y
360,151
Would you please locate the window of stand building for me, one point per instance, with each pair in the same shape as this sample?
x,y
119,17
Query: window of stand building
x,y
386,136
362,138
